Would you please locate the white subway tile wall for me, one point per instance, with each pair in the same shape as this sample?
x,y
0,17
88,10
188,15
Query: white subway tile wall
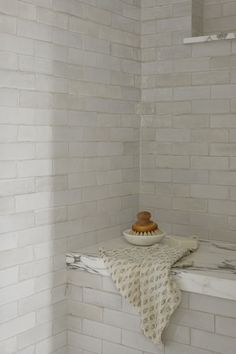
x,y
201,325
188,121
219,16
75,77
69,171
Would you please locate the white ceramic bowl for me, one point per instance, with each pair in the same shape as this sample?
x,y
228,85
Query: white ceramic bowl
x,y
143,240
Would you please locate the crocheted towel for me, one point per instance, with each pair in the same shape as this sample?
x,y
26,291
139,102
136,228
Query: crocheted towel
x,y
142,275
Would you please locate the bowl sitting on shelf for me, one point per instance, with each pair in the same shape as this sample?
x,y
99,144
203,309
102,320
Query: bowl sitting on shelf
x,y
143,240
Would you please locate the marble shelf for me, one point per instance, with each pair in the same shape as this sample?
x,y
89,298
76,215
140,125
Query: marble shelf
x,y
210,38
213,269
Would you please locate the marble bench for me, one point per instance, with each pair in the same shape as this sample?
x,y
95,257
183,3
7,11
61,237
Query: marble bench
x,y
101,321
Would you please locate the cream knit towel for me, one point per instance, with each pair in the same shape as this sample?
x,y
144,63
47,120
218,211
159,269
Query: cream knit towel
x,y
142,275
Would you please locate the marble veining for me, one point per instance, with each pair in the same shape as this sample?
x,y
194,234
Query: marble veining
x,y
210,38
212,269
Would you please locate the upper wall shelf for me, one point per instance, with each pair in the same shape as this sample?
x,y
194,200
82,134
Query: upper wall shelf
x,y
208,28
210,38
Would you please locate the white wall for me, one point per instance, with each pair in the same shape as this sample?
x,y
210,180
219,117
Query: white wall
x,y
188,158
103,322
69,151
69,166
219,16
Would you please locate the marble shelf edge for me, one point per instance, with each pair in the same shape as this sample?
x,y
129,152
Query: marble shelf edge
x,y
206,285
210,38
213,272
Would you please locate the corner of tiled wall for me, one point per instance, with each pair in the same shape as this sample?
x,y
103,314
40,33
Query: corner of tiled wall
x,y
71,97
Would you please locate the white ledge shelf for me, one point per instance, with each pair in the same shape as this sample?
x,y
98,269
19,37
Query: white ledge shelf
x,y
213,271
210,38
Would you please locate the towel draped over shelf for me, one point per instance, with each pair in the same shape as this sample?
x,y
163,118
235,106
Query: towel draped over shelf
x,y
142,275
